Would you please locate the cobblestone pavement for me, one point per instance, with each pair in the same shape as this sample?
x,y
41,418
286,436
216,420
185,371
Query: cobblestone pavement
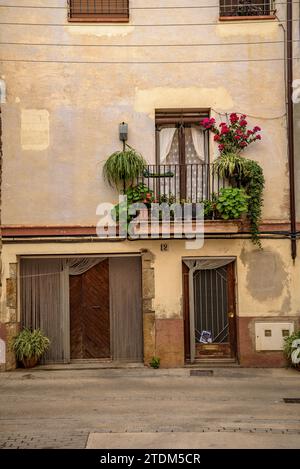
x,y
59,409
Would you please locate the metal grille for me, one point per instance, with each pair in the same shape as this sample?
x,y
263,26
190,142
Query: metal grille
x,y
99,9
211,300
292,400
191,183
247,7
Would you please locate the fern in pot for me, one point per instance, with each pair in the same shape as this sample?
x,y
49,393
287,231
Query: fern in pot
x,y
29,346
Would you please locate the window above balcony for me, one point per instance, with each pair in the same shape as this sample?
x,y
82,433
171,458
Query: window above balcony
x,y
99,11
247,9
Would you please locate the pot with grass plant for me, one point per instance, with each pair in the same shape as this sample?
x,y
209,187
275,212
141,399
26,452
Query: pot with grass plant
x,y
123,168
29,346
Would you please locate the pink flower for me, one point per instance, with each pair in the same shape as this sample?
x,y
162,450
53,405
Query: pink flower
x,y
243,116
256,129
258,137
237,137
250,132
233,118
221,147
224,130
208,122
243,123
243,144
223,124
217,138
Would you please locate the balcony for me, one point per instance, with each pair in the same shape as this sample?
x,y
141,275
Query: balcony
x,y
246,9
190,183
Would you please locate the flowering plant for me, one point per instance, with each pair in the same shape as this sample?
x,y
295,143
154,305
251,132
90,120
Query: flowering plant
x,y
232,136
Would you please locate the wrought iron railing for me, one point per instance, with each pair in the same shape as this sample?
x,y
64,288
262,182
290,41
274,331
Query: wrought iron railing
x,y
189,183
247,7
101,9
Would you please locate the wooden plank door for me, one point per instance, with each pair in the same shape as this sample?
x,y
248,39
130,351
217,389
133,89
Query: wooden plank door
x,y
89,313
126,309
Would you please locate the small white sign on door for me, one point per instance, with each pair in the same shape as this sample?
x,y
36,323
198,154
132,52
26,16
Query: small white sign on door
x,y
2,351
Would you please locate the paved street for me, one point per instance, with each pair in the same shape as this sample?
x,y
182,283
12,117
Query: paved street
x,y
149,408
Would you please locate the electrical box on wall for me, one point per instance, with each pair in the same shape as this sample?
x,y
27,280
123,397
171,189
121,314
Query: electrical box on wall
x,y
270,335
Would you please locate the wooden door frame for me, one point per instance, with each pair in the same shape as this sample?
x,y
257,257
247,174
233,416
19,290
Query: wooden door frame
x,y
188,306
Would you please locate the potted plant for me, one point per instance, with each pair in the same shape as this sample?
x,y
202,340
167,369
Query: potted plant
x,y
233,137
29,346
291,349
139,194
232,203
123,167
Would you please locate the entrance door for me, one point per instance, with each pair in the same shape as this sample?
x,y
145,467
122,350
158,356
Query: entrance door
x,y
214,312
89,313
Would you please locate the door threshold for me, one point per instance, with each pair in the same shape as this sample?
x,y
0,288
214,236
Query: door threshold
x,y
213,363
89,365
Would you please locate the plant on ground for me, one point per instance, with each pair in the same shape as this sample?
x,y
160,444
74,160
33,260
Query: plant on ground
x,y
288,346
232,203
155,362
29,344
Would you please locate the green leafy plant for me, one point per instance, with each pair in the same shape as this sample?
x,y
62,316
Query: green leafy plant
x,y
139,193
288,349
232,203
29,344
155,362
248,174
233,137
209,207
123,167
135,194
253,181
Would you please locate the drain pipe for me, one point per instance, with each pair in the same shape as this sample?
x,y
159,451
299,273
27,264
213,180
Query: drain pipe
x,y
290,121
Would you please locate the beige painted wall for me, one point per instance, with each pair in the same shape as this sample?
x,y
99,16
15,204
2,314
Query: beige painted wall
x,y
61,119
267,280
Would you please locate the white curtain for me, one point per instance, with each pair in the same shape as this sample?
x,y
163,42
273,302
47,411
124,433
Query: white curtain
x,y
207,263
78,266
198,141
165,141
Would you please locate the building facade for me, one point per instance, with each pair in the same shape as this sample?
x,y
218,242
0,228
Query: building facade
x,y
73,72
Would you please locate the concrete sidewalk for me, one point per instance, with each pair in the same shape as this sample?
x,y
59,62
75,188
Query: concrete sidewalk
x,y
142,407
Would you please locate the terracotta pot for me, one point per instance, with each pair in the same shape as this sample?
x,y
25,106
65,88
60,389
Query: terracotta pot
x,y
29,362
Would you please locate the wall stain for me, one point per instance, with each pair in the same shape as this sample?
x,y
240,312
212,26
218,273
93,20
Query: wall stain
x,y
266,275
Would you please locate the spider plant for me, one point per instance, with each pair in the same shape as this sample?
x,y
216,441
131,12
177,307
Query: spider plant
x,y
229,165
123,167
29,344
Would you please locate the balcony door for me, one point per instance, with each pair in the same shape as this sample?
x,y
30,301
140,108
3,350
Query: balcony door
x,y
182,150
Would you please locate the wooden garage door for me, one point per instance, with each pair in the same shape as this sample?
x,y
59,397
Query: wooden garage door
x,y
126,308
89,313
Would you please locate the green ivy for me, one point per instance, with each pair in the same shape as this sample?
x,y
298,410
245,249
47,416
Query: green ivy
x,y
252,179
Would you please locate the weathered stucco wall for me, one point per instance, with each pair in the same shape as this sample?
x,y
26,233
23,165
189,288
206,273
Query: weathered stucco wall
x,y
266,280
61,119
